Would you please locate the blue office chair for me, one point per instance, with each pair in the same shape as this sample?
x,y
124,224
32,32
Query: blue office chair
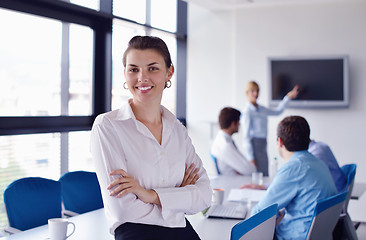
x,y
325,217
350,171
215,161
80,192
259,226
349,230
31,201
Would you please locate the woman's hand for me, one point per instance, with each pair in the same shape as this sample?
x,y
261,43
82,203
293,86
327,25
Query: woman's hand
x,y
126,184
190,176
293,93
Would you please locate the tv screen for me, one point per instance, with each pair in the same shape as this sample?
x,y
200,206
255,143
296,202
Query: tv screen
x,y
323,81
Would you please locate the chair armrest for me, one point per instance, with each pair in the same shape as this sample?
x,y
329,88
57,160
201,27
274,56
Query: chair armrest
x,y
68,213
11,230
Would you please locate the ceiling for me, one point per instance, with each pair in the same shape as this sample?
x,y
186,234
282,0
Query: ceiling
x,y
235,4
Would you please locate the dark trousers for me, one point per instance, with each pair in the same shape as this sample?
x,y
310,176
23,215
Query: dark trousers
x,y
138,231
260,154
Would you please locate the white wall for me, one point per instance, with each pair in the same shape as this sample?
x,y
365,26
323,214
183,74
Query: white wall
x,y
228,48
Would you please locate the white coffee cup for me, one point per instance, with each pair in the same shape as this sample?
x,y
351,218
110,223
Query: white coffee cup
x,y
218,196
257,178
57,228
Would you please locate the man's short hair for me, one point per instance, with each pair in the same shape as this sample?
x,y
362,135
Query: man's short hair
x,y
295,133
227,116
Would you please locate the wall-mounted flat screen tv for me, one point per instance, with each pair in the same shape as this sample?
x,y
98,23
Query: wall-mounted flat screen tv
x,y
323,80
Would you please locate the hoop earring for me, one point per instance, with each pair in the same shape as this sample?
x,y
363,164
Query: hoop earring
x,y
168,84
125,85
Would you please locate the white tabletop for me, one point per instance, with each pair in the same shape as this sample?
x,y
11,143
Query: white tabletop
x,y
215,228
92,226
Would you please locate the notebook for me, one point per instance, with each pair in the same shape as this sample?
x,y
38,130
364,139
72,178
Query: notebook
x,y
231,211
254,195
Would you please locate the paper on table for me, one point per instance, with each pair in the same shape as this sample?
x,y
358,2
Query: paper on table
x,y
254,195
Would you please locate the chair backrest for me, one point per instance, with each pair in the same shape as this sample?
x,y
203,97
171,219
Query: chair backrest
x,y
80,191
215,161
31,201
325,217
259,226
350,172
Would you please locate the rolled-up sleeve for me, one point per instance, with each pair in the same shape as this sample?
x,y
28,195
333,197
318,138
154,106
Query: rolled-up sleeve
x,y
279,109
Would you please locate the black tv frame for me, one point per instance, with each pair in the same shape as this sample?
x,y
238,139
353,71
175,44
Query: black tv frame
x,y
307,103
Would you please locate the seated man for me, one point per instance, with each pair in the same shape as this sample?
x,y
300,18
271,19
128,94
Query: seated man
x,y
323,152
229,159
299,183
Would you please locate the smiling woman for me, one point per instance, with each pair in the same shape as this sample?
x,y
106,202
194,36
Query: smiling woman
x,y
122,33
149,172
59,69
147,75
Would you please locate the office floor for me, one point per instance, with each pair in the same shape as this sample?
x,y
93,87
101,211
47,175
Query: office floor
x,y
361,231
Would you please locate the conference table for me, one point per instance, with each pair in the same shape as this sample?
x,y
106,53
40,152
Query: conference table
x,y
94,226
216,228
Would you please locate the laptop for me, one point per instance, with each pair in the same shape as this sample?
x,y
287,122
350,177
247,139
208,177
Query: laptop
x,y
229,211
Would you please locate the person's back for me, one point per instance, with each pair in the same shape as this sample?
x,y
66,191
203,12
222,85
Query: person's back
x,y
299,183
310,181
323,152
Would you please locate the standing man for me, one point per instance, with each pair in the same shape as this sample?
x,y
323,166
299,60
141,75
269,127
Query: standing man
x,y
230,160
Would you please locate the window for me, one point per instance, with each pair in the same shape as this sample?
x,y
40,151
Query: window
x,y
132,10
80,71
79,154
163,14
93,4
31,63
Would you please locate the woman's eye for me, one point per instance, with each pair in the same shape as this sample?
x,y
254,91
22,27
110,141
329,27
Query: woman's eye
x,y
153,68
133,70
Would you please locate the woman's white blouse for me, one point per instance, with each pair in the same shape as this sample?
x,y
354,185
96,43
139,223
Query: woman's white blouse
x,y
119,141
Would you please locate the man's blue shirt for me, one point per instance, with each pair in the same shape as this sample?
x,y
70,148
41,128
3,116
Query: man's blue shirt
x,y
323,152
297,186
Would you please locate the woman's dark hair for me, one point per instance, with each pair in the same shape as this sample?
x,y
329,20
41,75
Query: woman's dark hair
x,y
295,133
227,116
149,42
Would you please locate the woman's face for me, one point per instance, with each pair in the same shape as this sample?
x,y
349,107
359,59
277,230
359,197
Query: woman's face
x,y
253,94
146,74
